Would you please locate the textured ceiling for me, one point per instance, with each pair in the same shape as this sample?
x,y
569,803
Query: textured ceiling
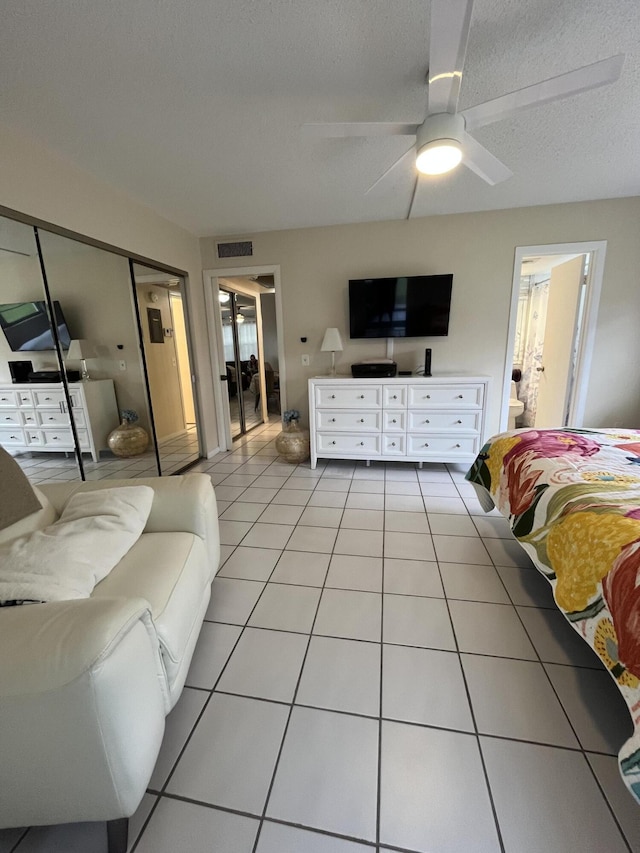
x,y
196,108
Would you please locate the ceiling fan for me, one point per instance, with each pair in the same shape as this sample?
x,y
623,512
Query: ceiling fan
x,y
442,140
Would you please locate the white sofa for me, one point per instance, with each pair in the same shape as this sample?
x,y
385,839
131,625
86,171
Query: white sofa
x,y
85,685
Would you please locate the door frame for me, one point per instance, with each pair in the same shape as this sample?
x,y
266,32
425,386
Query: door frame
x,y
578,394
216,351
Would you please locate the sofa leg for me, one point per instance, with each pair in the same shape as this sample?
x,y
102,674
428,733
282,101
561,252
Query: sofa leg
x,y
117,835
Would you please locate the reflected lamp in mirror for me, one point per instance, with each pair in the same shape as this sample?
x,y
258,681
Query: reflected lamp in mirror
x,y
332,342
81,350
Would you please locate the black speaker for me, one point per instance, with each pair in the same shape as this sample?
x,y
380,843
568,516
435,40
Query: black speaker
x,y
427,362
20,370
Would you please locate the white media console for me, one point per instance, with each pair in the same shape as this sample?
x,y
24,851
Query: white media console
x,y
404,419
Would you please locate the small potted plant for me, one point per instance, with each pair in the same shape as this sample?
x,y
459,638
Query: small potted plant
x,y
293,443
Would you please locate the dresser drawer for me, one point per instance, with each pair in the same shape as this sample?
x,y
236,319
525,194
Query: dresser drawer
x,y
34,437
449,396
25,398
348,396
8,398
394,396
394,445
363,421
28,417
57,418
394,421
447,445
10,416
57,438
335,443
429,421
9,437
49,399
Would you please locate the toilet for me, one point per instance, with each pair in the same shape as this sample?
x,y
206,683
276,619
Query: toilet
x,y
516,407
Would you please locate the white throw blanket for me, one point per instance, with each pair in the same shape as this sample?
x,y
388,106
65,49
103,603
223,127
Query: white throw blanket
x,y
68,558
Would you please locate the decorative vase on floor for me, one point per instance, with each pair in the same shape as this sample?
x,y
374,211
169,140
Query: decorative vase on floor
x,y
128,439
293,443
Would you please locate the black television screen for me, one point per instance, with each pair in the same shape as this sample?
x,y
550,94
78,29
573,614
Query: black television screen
x,y
410,307
26,326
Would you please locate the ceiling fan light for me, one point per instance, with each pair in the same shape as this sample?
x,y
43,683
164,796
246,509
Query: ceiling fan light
x,y
439,156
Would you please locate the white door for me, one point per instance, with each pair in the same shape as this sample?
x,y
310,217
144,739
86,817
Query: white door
x,y
559,342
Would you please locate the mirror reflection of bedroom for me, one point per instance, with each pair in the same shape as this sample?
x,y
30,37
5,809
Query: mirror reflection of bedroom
x,y
549,327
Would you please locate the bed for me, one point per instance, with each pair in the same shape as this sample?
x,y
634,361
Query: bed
x,y
572,498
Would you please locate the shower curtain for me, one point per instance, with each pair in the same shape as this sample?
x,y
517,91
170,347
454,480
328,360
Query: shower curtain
x,y
532,347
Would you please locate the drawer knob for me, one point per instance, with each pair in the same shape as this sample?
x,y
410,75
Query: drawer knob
x,y
428,396
333,442
51,419
34,436
393,421
457,445
361,421
427,421
362,444
13,436
459,396
333,396
55,437
47,398
7,419
395,397
332,420
426,444
393,444
361,397
458,422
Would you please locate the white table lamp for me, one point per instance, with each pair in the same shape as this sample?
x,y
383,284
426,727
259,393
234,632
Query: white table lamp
x,y
81,350
332,342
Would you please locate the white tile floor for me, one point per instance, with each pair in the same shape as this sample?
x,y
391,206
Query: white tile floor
x,y
381,669
175,453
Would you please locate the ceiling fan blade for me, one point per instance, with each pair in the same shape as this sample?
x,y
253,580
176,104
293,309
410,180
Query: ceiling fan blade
x,y
450,20
573,82
482,162
413,195
359,128
391,167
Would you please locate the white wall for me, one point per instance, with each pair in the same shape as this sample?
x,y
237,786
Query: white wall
x,y
39,183
478,248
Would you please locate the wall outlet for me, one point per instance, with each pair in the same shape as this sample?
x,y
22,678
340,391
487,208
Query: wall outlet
x,y
122,365
306,360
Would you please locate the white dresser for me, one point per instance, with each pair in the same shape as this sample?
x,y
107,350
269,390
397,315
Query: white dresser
x,y
34,416
407,418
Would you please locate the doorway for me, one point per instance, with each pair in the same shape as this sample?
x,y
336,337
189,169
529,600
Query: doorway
x,y
244,314
555,297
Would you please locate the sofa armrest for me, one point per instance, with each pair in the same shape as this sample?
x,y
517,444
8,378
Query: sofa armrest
x,y
83,698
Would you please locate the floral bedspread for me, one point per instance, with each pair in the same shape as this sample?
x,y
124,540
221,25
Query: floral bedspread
x,y
572,498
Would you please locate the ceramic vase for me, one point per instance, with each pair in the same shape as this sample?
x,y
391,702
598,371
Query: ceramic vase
x,y
293,443
128,440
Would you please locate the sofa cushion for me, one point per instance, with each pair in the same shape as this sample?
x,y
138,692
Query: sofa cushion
x,y
66,559
170,571
45,516
17,498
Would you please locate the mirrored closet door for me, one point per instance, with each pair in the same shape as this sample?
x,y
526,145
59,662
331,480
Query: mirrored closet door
x,y
160,299
35,424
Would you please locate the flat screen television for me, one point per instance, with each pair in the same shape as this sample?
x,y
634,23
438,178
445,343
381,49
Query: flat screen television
x,y
405,307
26,326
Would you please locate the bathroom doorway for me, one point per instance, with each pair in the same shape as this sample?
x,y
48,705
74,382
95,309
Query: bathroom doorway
x,y
555,297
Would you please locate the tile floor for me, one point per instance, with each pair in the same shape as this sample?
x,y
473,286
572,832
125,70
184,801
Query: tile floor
x,y
175,454
380,669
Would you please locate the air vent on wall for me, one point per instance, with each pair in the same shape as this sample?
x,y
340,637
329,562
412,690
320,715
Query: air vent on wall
x,y
237,249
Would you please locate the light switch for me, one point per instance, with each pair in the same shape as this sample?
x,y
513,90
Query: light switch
x,y
305,360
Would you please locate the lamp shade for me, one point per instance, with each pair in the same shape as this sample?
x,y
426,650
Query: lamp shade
x,y
79,349
332,342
